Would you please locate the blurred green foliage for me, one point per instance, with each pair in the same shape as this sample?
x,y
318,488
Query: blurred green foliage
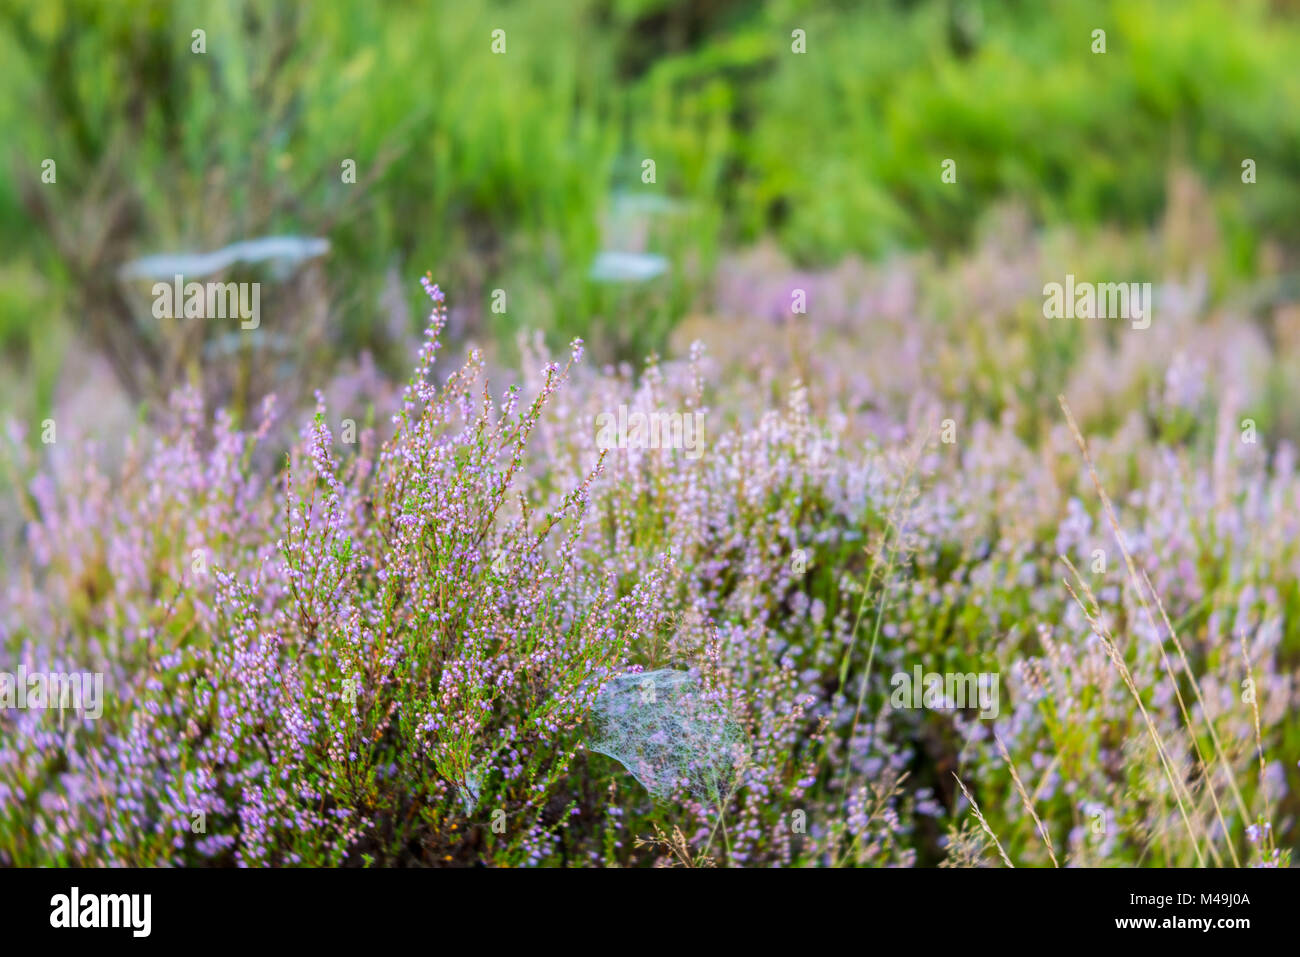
x,y
497,170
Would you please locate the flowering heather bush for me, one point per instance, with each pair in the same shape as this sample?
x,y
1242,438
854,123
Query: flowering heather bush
x,y
410,651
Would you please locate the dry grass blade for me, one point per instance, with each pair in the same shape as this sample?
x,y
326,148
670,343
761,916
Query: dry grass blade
x,y
1108,642
983,823
1029,805
1254,707
1141,594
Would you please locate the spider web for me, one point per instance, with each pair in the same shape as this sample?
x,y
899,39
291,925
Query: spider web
x,y
668,733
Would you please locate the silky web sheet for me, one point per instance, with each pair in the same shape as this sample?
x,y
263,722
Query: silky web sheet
x,y
669,734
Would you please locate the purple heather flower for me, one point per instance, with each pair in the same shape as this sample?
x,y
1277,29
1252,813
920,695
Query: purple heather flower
x,y
431,288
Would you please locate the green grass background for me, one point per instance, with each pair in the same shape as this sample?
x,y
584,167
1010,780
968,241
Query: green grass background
x,y
496,171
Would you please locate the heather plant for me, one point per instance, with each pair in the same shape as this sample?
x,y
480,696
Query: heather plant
x,y
371,675
434,646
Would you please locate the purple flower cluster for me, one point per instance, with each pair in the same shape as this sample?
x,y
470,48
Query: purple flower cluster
x,y
326,652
